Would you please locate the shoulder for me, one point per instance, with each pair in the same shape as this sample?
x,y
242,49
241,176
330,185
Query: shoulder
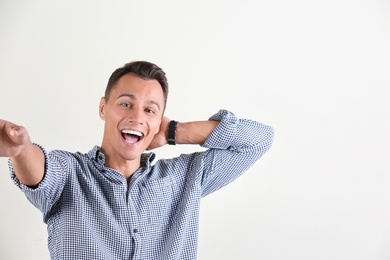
x,y
69,159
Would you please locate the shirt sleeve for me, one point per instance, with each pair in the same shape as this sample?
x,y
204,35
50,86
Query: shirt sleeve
x,y
50,188
234,146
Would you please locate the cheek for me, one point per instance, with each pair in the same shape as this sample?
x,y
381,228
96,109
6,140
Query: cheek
x,y
157,129
112,120
154,127
157,126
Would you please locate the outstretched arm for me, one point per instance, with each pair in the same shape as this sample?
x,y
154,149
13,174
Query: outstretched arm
x,y
27,159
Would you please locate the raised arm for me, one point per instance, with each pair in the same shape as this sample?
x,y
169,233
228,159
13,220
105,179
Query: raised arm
x,y
233,145
27,159
195,132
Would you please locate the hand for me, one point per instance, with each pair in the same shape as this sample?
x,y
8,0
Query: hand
x,y
161,138
13,139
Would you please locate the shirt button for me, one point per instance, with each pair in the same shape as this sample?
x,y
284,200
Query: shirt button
x,y
135,230
100,157
103,171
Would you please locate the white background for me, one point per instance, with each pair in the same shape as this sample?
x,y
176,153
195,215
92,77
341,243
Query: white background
x,y
317,71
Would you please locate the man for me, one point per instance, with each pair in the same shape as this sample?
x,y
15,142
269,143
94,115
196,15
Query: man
x,y
112,202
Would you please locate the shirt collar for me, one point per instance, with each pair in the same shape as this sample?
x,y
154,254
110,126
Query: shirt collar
x,y
97,155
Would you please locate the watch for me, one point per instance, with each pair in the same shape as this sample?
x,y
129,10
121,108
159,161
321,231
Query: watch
x,y
172,132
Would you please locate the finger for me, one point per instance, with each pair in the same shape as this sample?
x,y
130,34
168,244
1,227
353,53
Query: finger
x,y
12,129
18,134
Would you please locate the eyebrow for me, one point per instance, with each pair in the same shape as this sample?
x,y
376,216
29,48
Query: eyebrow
x,y
133,97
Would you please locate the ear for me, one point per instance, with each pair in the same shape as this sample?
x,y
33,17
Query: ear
x,y
102,107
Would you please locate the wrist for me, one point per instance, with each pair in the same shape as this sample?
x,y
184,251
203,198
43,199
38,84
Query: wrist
x,y
172,132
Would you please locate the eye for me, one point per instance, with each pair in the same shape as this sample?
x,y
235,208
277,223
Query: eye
x,y
127,105
150,111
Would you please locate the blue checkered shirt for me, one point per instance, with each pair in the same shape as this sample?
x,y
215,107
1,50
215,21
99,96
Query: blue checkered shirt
x,y
92,212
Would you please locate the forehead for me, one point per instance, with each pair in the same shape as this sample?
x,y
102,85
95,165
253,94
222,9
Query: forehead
x,y
132,84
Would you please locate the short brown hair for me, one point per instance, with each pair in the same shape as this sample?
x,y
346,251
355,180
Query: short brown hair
x,y
143,69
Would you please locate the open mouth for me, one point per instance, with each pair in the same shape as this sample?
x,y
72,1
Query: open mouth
x,y
131,136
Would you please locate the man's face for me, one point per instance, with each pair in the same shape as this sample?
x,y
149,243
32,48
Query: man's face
x,y
132,116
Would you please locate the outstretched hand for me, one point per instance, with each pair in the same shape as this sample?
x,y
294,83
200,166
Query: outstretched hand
x,y
13,139
161,138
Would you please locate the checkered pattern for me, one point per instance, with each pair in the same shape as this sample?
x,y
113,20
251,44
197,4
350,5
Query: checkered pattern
x,y
92,212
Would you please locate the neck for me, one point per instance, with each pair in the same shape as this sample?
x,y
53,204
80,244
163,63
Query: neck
x,y
125,167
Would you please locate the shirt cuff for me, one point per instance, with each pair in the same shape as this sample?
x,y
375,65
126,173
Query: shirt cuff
x,y
15,179
223,135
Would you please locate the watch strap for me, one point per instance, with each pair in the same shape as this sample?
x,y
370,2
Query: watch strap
x,y
172,132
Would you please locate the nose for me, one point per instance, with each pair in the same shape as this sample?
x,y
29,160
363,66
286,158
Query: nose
x,y
136,116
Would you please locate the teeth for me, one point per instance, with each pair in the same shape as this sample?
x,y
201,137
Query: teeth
x,y
132,132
